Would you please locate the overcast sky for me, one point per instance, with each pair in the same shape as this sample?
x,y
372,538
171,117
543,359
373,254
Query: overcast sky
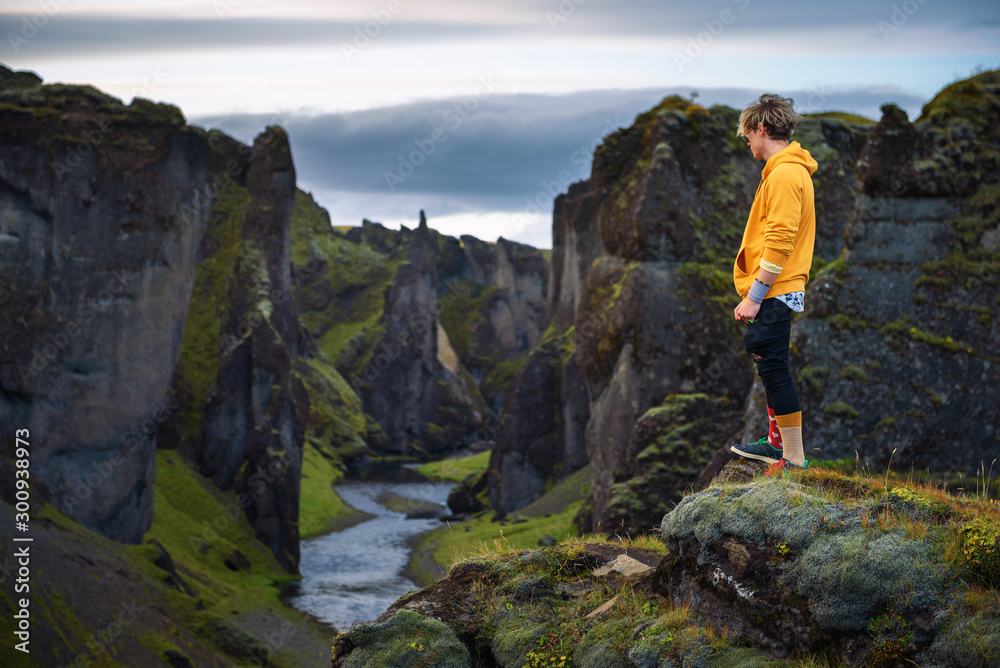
x,y
477,112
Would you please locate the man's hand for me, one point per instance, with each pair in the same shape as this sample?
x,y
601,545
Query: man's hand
x,y
746,310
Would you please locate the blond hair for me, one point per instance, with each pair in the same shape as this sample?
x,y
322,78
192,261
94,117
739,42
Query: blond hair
x,y
775,112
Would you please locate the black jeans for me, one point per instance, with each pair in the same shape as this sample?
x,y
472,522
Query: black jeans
x,y
766,340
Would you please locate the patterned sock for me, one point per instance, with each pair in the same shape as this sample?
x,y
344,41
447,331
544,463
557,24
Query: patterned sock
x,y
773,433
791,435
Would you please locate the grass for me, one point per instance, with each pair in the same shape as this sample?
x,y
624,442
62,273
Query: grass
x,y
455,469
963,520
321,509
551,514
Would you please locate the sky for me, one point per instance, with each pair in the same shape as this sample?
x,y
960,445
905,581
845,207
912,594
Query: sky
x,y
480,113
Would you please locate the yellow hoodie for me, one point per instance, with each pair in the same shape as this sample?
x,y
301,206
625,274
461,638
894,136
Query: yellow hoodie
x,y
781,228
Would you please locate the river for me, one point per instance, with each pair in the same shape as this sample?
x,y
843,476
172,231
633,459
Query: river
x,y
356,574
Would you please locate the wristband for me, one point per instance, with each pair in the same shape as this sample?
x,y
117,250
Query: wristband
x,y
758,291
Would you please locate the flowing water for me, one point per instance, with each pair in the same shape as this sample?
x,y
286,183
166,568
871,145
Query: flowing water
x,y
355,574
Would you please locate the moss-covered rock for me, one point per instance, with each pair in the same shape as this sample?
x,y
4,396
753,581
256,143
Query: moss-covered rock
x,y
827,563
405,640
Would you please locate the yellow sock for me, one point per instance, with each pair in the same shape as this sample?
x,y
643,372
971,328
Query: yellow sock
x,y
790,427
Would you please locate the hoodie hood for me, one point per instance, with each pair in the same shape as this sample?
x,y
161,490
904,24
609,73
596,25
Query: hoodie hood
x,y
792,154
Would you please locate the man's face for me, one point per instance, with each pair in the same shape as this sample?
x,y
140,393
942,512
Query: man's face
x,y
755,139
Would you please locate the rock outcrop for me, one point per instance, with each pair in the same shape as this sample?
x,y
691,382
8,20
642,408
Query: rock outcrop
x,y
540,436
860,569
97,264
830,565
575,246
897,349
909,208
255,413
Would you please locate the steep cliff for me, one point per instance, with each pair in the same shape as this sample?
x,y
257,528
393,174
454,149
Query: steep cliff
x,y
97,267
147,262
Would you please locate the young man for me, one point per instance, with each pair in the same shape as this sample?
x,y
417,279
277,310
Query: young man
x,y
772,268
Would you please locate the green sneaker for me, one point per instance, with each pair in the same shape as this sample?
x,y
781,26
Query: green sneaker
x,y
761,450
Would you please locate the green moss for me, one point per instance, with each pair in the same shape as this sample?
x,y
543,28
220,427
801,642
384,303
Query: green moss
x,y
405,640
464,305
842,321
904,327
551,514
358,275
969,98
337,423
812,377
853,372
501,375
969,640
456,469
981,550
841,409
846,117
885,423
833,270
847,573
198,366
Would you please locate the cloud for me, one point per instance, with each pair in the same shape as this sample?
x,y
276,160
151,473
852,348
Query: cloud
x,y
497,153
246,25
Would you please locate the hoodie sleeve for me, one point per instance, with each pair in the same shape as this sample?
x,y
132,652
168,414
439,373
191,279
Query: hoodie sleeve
x,y
784,212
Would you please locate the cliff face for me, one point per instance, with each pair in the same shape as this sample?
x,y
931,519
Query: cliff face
x,y
149,305
255,412
429,329
575,246
97,270
897,351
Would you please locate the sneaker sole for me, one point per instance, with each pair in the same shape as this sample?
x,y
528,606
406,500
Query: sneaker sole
x,y
747,455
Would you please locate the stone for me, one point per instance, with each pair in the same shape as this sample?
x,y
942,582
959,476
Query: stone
x,y
623,570
602,609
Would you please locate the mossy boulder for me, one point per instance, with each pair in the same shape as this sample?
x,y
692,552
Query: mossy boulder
x,y
405,640
822,567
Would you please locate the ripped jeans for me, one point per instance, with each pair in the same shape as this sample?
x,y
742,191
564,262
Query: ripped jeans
x,y
767,340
